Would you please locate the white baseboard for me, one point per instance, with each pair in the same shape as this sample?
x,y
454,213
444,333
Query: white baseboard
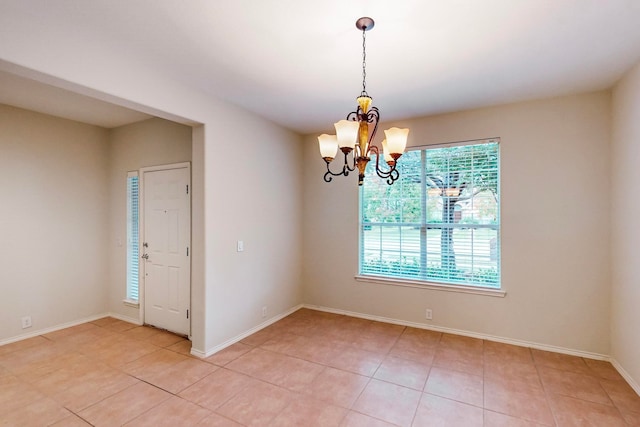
x,y
68,325
634,385
53,328
436,328
242,336
125,318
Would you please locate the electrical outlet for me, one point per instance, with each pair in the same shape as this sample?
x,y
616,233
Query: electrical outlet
x,y
240,246
26,322
264,311
429,314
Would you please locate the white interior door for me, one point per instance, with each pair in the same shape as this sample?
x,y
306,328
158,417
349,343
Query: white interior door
x,y
166,244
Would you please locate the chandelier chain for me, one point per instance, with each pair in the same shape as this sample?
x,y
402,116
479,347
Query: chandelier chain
x,y
364,62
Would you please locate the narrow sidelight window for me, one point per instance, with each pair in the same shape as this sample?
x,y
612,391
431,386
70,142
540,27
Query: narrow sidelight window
x,y
133,259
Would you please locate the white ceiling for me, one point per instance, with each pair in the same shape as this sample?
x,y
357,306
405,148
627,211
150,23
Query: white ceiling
x,y
298,62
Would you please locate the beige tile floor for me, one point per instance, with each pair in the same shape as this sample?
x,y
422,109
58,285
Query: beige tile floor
x,y
309,369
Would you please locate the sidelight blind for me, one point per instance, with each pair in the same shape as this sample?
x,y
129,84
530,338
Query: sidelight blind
x,y
133,259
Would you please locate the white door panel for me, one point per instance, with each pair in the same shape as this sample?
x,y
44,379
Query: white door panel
x,y
167,230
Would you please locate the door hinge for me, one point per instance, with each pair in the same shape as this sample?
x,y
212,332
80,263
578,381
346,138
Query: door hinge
x,y
187,250
187,314
187,188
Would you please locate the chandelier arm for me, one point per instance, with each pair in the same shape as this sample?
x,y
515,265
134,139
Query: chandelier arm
x,y
394,175
327,177
391,175
329,173
345,169
346,164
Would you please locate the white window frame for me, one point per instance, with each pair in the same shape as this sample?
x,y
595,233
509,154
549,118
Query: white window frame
x,y
426,283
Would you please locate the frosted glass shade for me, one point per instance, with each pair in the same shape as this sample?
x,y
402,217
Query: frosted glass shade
x,y
385,153
347,133
328,146
396,140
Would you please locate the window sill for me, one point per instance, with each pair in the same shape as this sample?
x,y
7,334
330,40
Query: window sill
x,y
131,303
434,286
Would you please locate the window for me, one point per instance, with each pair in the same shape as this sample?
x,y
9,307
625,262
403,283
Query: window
x,y
132,237
440,222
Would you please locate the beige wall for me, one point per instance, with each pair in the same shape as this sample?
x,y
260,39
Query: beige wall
x,y
198,231
148,143
53,185
625,158
254,194
555,228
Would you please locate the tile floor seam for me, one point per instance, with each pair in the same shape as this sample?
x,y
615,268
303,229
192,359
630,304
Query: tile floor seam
x,y
104,398
617,409
289,403
341,369
374,417
81,417
224,416
455,400
360,394
243,388
546,394
151,408
484,365
153,385
415,411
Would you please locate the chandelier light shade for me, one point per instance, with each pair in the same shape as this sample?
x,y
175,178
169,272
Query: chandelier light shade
x,y
385,151
347,133
396,141
353,136
328,146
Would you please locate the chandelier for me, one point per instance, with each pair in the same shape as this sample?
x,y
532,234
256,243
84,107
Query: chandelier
x,y
353,137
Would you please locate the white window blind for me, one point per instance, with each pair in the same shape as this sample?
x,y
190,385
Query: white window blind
x,y
440,222
133,259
